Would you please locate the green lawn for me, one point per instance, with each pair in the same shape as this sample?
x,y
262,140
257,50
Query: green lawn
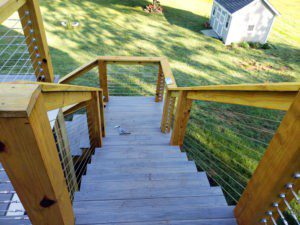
x,y
226,141
119,27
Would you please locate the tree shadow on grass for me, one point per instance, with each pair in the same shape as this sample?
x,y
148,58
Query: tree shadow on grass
x,y
184,19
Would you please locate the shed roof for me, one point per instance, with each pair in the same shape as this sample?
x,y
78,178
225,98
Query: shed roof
x,y
235,5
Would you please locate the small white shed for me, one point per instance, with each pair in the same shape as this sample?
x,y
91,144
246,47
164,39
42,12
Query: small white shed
x,y
242,20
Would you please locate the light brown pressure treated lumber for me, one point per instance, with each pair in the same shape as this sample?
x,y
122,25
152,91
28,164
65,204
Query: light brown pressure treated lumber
x,y
167,112
283,86
8,7
182,116
261,99
168,72
54,100
41,41
102,67
78,72
17,100
160,85
94,121
101,105
275,170
29,156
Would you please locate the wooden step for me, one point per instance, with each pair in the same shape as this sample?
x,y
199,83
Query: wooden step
x,y
149,192
226,221
151,213
145,177
142,167
138,154
98,185
107,205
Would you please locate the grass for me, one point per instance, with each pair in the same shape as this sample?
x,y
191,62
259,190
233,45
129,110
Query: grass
x,y
119,27
115,27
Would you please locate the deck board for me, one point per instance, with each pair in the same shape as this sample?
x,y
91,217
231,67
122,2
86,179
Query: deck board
x,y
141,179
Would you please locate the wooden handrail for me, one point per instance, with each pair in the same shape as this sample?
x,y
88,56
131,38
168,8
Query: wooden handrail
x,y
102,61
8,7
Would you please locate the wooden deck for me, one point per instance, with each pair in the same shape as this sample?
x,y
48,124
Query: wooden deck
x,y
141,179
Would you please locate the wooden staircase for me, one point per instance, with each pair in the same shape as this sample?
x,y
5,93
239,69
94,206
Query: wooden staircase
x,y
141,179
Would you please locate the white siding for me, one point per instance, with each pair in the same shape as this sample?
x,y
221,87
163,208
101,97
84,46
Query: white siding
x,y
255,14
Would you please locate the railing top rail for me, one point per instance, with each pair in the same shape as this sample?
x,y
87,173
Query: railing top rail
x,y
8,7
18,99
162,61
52,87
284,86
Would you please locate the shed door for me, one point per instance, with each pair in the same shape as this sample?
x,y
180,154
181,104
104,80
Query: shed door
x,y
219,22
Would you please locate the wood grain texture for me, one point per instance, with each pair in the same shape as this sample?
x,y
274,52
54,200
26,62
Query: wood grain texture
x,y
279,100
275,170
182,116
54,100
41,41
160,85
17,100
168,72
283,86
8,7
34,168
167,114
94,120
102,67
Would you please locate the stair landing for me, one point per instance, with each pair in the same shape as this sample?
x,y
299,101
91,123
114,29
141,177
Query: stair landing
x,y
139,179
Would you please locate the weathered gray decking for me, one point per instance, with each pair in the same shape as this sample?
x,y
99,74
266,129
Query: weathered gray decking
x,y
141,179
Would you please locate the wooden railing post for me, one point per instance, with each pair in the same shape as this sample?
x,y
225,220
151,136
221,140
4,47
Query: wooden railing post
x,y
167,115
102,65
275,170
29,156
160,85
94,121
33,7
182,115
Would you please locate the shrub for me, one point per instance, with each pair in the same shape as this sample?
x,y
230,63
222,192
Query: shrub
x,y
245,45
266,46
255,45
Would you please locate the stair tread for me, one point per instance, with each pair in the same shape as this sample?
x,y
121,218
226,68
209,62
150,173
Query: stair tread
x,y
177,211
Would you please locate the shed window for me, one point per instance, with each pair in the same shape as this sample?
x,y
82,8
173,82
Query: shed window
x,y
227,21
250,27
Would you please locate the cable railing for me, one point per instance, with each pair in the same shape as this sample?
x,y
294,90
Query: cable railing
x,y
23,49
245,138
228,141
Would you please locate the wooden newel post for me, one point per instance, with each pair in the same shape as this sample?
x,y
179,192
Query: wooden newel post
x,y
39,34
167,116
94,121
182,116
277,167
29,156
160,85
102,66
